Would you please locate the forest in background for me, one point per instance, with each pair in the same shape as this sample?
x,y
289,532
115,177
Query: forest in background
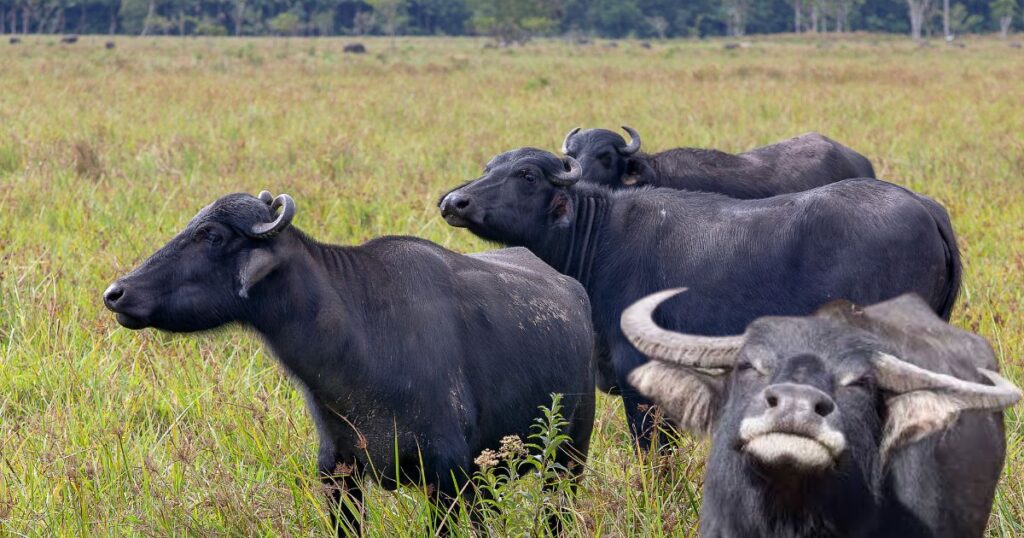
x,y
509,21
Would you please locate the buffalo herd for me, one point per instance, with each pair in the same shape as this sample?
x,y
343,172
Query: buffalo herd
x,y
782,301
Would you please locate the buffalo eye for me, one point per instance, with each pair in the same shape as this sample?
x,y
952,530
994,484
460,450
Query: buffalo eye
x,y
746,366
527,175
605,158
214,238
862,382
209,235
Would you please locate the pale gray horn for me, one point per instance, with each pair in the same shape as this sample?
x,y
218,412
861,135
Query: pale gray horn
x,y
264,230
571,176
266,197
899,376
634,141
565,143
687,350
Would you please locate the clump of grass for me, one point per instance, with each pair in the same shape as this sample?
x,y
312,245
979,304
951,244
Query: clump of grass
x,y
520,485
87,160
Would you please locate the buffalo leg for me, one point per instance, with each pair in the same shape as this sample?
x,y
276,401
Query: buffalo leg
x,y
445,492
641,414
344,493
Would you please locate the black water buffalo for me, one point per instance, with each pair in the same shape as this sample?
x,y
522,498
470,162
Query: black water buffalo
x,y
412,358
875,422
863,240
794,165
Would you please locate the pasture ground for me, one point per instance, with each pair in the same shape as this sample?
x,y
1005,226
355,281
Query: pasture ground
x,y
104,154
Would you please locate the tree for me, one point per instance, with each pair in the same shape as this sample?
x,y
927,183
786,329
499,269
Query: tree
x,y
390,16
918,10
286,23
736,16
615,18
1003,11
514,21
659,25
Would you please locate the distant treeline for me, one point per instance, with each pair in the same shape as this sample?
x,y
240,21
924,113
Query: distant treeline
x,y
508,21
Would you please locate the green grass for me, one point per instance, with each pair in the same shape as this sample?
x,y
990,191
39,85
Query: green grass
x,y
105,154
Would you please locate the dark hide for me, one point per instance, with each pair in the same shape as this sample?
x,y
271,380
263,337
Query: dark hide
x,y
864,240
940,486
394,342
793,165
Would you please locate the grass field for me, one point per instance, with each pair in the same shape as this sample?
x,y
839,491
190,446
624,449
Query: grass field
x,y
104,154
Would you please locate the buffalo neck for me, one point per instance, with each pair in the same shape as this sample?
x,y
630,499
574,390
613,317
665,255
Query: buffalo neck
x,y
573,248
742,501
304,308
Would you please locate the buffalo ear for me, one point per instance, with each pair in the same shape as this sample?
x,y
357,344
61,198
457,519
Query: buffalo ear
x,y
637,171
256,267
912,416
690,399
562,210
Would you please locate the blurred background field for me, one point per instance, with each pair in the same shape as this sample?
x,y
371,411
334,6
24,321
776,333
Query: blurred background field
x,y
104,154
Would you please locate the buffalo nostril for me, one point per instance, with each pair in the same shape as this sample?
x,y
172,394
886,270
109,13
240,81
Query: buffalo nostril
x,y
772,400
824,408
462,203
113,294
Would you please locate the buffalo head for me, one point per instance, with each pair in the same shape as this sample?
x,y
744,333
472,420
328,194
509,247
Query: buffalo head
x,y
520,194
817,394
605,156
202,278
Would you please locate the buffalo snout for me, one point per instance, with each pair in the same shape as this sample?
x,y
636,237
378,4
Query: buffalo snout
x,y
113,294
791,426
789,399
455,208
118,299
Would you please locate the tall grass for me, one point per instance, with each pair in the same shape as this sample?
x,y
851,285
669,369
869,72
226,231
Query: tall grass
x,y
106,153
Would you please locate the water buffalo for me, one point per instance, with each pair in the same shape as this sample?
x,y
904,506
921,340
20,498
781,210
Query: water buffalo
x,y
881,422
411,357
863,240
794,165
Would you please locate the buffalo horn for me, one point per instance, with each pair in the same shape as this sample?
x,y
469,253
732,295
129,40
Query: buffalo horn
x,y
899,376
687,350
565,143
264,230
570,176
634,141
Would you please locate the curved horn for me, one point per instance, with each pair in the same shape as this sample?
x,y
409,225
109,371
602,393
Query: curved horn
x,y
900,376
266,197
634,141
565,143
264,230
571,176
687,350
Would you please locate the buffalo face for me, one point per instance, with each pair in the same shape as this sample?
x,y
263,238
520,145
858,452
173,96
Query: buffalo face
x,y
798,397
605,156
801,408
520,194
202,277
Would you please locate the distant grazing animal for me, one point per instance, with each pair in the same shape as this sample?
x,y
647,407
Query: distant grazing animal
x,y
412,358
69,39
794,165
863,240
110,45
354,48
14,40
875,422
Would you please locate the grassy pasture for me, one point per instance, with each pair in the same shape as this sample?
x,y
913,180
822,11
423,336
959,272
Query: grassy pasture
x,y
104,154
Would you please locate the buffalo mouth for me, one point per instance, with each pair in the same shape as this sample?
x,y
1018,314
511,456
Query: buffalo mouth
x,y
455,220
129,321
813,447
